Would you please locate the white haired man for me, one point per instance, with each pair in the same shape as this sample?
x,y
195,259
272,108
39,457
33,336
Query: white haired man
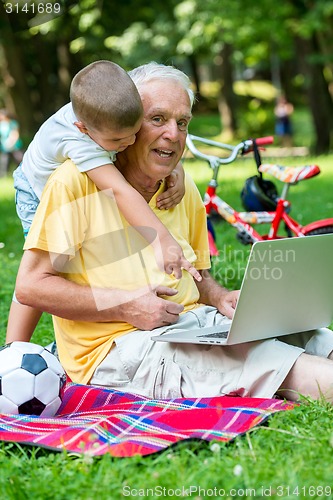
x,y
107,294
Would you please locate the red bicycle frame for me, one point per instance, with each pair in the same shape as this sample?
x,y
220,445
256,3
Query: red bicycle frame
x,y
242,221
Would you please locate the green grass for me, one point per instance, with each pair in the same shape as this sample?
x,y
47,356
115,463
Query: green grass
x,y
294,450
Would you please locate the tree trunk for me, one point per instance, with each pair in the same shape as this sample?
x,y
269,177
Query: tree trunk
x,y
226,99
14,75
195,75
318,95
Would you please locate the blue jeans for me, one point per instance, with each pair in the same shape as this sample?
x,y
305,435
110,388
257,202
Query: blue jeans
x,y
26,199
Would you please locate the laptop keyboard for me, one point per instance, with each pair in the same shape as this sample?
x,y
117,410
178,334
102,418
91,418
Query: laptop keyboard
x,y
217,335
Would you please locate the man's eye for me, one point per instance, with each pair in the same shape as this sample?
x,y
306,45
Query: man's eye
x,y
182,125
157,119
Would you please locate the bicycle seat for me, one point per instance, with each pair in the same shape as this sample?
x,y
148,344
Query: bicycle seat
x,y
290,175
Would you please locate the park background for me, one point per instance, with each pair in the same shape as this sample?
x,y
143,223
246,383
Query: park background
x,y
240,55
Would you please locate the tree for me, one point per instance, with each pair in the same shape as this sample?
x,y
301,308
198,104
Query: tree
x,y
296,31
39,60
13,72
39,63
311,23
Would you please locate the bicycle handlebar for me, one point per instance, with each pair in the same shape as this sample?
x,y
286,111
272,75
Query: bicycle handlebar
x,y
263,141
215,161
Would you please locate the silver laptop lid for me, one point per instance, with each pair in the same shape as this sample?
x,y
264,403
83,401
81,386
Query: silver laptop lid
x,y
287,288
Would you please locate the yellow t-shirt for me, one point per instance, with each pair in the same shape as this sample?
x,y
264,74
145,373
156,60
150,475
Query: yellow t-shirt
x,y
76,219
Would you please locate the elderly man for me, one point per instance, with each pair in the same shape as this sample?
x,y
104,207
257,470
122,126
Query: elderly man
x,y
99,279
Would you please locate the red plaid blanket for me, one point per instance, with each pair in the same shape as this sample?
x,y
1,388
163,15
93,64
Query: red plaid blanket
x,y
97,421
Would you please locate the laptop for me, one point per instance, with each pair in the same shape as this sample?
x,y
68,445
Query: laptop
x,y
287,288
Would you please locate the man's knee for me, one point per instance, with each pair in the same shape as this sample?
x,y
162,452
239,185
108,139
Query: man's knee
x,y
310,376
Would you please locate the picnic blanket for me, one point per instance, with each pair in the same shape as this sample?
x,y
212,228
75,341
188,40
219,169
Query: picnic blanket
x,y
97,421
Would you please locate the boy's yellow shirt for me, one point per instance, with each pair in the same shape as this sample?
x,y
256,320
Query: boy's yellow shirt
x,y
75,219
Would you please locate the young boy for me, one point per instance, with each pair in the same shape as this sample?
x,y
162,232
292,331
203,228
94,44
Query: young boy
x,y
103,117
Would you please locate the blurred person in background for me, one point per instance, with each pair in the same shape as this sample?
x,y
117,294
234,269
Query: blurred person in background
x,y
10,142
283,127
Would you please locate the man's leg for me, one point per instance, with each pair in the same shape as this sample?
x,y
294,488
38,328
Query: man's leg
x,y
310,376
162,370
256,369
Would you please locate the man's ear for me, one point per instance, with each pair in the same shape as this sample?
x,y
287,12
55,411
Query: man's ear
x,y
82,128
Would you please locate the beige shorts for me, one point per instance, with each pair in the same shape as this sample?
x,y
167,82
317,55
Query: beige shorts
x,y
161,370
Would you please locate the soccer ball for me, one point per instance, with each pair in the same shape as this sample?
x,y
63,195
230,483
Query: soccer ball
x,y
31,379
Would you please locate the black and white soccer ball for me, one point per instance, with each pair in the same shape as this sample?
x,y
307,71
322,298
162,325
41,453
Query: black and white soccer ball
x,y
31,380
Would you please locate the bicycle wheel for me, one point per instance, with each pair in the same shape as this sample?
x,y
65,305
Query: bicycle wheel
x,y
320,230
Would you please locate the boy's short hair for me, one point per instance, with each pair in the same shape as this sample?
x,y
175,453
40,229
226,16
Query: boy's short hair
x,y
104,96
155,71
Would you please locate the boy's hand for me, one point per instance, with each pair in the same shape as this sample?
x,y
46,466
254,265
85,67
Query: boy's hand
x,y
175,189
175,261
185,264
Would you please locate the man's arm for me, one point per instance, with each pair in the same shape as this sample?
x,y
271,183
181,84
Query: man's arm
x,y
41,287
211,293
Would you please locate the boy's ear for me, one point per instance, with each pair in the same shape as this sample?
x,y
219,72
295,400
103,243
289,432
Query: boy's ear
x,y
82,128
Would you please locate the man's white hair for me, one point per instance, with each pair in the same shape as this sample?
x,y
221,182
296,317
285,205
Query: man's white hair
x,y
155,71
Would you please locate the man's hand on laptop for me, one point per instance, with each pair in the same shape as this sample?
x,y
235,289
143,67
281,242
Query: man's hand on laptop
x,y
227,303
213,294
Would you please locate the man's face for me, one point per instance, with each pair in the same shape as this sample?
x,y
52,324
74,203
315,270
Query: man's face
x,y
161,140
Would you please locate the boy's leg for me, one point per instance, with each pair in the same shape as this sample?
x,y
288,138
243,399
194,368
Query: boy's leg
x,y
22,321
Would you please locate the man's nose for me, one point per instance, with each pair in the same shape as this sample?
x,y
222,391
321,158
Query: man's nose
x,y
171,130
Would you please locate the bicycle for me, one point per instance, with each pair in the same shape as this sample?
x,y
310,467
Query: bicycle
x,y
260,197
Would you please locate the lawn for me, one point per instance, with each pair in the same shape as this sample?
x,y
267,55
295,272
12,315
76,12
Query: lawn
x,y
290,457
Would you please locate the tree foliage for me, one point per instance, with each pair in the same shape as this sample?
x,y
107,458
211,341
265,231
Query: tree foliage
x,y
287,42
